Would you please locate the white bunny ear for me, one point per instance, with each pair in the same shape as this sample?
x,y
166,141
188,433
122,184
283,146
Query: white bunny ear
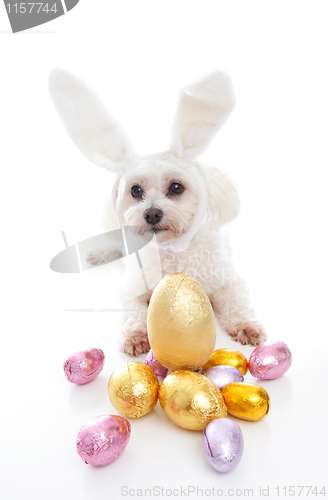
x,y
203,108
92,128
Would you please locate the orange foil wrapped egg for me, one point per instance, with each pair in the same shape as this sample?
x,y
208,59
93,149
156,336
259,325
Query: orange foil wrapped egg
x,y
246,401
133,389
229,357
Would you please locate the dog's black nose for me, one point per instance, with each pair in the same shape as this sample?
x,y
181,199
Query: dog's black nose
x,y
153,215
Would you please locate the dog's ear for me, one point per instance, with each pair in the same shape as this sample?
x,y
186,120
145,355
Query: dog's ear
x,y
92,128
202,109
110,218
223,199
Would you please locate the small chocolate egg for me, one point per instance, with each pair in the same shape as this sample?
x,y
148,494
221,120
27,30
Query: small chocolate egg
x,y
83,366
223,375
223,444
155,365
191,400
227,357
246,401
270,360
133,389
103,439
180,323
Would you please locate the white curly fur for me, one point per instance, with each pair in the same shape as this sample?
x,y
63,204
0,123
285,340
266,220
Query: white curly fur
x,y
190,236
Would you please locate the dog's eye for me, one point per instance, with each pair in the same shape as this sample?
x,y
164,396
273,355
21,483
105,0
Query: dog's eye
x,y
136,191
176,188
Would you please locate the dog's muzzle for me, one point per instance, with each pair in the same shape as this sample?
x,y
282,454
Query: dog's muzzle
x,y
153,215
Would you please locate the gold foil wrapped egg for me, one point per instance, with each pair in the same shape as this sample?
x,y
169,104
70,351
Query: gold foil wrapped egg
x,y
133,389
246,401
228,357
191,400
180,323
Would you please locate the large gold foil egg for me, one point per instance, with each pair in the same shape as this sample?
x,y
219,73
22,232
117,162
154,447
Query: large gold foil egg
x,y
180,323
133,389
246,401
191,400
228,357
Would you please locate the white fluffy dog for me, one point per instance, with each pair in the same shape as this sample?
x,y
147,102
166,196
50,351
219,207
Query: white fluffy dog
x,y
170,197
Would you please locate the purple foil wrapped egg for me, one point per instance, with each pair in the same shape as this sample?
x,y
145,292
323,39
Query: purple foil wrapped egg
x,y
223,375
84,366
155,365
270,360
223,444
103,439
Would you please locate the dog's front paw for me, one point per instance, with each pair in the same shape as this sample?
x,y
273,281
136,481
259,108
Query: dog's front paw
x,y
94,257
251,333
135,345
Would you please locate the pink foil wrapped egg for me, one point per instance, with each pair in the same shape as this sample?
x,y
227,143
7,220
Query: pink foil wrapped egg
x,y
83,366
103,439
156,366
270,360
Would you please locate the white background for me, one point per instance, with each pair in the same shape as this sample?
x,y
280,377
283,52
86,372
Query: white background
x,y
137,54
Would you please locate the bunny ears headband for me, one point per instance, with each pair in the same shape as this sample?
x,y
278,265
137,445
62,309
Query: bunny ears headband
x,y
203,108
